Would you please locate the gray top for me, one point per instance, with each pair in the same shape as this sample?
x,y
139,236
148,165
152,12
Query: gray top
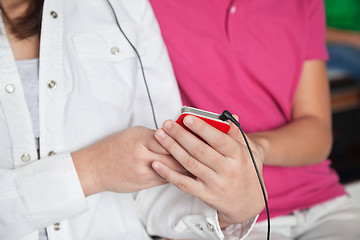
x,y
29,73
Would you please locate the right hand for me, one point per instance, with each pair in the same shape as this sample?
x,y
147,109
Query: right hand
x,y
223,174
121,162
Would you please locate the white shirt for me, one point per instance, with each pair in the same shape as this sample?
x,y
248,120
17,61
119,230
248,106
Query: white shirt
x,y
90,86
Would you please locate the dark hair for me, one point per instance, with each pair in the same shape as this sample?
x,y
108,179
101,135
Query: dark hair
x,y
29,23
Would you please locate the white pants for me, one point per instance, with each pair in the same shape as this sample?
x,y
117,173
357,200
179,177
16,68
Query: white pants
x,y
337,219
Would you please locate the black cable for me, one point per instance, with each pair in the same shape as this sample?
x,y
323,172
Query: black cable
x,y
140,61
226,115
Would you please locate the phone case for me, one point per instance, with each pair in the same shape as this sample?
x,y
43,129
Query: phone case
x,y
209,117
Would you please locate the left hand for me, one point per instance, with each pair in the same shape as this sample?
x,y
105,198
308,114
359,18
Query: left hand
x,y
223,173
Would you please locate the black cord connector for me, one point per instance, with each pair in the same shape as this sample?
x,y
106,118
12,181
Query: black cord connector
x,y
226,115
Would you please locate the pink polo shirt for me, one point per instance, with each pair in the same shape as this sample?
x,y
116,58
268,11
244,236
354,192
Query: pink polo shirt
x,y
246,56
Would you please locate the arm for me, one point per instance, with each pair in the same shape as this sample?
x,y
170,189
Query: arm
x,y
224,160
307,138
23,205
121,162
340,36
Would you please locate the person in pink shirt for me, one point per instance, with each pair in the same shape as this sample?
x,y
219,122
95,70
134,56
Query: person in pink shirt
x,y
266,62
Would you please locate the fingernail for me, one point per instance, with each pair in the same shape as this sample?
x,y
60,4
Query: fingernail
x,y
167,124
189,120
156,166
160,133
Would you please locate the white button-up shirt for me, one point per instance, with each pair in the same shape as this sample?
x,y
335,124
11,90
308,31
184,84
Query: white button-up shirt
x,y
90,86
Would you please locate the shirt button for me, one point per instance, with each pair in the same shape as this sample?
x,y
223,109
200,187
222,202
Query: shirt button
x,y
51,153
25,157
115,50
210,227
51,84
53,14
57,226
233,9
198,226
9,88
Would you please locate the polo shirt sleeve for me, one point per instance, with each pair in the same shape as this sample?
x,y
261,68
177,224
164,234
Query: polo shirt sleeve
x,y
316,27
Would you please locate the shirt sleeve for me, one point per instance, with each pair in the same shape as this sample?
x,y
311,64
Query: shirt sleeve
x,y
168,212
316,29
39,194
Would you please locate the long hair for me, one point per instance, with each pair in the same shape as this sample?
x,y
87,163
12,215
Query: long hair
x,y
29,23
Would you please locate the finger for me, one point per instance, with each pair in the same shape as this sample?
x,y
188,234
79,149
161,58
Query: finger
x,y
236,117
183,182
221,142
234,131
171,162
182,156
153,145
196,147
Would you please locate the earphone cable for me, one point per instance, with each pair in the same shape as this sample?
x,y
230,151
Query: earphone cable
x,y
226,115
140,62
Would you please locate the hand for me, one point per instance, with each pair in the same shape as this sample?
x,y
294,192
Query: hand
x,y
122,162
224,175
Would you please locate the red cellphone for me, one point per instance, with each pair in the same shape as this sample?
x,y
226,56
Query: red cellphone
x,y
209,117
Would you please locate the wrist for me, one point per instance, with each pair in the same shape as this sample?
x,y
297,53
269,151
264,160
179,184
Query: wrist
x,y
262,145
86,172
222,222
